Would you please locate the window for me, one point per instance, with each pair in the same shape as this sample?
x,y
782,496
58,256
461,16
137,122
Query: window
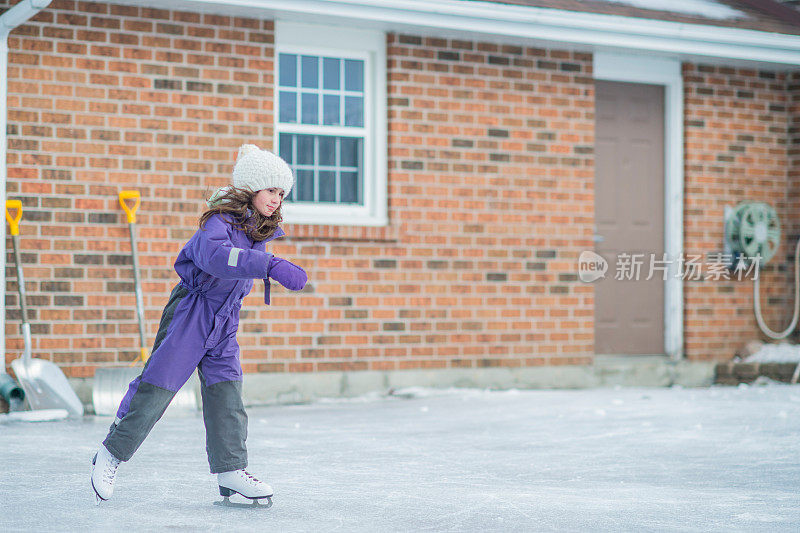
x,y
330,123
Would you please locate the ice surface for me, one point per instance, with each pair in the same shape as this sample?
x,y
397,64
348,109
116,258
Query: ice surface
x,y
704,8
782,352
717,459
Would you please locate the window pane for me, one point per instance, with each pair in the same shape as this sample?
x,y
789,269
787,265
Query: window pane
x,y
328,168
305,186
310,65
330,110
288,70
330,73
285,147
305,149
348,187
349,151
327,186
353,75
327,151
353,111
288,106
310,108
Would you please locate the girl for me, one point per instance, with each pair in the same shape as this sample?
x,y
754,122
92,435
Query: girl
x,y
198,326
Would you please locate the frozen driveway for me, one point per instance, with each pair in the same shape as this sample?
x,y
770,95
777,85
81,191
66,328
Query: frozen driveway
x,y
716,459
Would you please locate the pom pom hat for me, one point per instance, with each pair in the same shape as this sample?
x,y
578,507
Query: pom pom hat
x,y
258,169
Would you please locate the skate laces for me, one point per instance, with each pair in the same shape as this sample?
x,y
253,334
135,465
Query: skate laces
x,y
250,478
110,471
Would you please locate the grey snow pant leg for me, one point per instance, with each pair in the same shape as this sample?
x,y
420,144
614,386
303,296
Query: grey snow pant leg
x,y
149,403
226,425
147,407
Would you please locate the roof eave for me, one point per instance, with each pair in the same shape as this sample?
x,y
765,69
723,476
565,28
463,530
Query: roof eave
x,y
532,25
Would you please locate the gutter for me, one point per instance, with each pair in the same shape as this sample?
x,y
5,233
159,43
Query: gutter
x,y
545,26
16,16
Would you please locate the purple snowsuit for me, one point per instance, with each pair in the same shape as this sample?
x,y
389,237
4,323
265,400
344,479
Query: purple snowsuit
x,y
198,330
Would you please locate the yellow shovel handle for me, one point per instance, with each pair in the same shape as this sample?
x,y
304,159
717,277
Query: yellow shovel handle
x,y
143,357
13,222
130,211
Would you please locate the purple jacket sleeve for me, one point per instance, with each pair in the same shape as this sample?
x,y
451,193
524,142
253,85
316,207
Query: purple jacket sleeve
x,y
262,246
213,252
284,272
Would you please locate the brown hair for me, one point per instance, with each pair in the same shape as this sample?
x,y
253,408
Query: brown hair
x,y
238,204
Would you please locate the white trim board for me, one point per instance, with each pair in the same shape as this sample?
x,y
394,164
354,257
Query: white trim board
x,y
369,45
534,26
666,72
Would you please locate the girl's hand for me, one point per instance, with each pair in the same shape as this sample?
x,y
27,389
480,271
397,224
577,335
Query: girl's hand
x,y
287,273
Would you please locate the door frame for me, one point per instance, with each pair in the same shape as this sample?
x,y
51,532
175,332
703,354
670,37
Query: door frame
x,y
666,71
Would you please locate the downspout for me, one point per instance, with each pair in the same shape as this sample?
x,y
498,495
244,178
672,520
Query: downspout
x,y
17,15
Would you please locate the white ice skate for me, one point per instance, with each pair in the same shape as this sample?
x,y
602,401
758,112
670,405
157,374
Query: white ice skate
x,y
243,483
103,473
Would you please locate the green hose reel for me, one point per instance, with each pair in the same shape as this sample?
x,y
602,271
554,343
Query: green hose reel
x,y
752,235
753,229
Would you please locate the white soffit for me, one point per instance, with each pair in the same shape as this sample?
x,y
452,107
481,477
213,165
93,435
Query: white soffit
x,y
522,25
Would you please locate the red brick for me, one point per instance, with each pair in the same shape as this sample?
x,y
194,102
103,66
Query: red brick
x,y
88,119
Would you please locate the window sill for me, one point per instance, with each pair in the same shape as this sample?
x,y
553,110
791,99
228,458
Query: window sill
x,y
337,233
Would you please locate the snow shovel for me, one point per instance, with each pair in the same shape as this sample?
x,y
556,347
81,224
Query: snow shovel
x,y
110,384
10,391
45,385
137,286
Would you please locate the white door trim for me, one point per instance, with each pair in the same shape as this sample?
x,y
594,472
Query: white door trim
x,y
667,72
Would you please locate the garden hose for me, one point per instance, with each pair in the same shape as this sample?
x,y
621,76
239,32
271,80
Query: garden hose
x,y
795,314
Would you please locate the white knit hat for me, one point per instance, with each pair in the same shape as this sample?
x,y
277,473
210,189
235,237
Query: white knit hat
x,y
258,169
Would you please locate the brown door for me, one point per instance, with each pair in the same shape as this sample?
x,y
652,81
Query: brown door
x,y
629,216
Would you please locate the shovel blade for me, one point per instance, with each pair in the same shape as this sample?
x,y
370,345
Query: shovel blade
x,y
111,384
46,386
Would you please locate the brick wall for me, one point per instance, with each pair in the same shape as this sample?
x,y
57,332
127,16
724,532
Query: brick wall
x,y
490,195
736,139
104,98
491,167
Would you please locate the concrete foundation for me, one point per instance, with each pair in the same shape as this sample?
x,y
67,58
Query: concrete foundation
x,y
607,371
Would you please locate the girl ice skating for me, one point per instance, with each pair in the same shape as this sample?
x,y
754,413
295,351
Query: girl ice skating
x,y
198,326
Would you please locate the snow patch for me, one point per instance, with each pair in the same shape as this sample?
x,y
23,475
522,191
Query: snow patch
x,y
764,381
704,8
410,393
776,353
39,415
428,392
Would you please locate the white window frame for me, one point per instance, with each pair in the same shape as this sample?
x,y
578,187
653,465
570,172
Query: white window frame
x,y
370,46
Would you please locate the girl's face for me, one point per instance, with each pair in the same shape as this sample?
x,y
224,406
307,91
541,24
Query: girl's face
x,y
266,201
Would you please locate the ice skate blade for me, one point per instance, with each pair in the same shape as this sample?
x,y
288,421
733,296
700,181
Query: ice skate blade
x,y
226,502
97,496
